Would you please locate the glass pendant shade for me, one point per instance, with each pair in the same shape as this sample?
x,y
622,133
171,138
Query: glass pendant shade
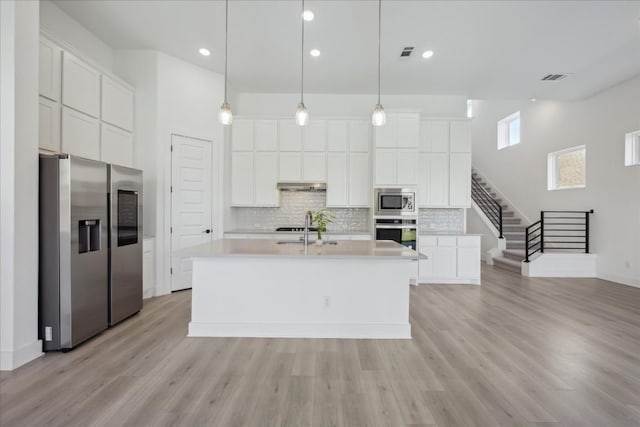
x,y
225,116
302,115
378,118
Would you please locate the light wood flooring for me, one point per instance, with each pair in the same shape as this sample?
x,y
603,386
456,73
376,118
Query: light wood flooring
x,y
514,352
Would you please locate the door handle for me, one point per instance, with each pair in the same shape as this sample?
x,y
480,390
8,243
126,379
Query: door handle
x,y
208,230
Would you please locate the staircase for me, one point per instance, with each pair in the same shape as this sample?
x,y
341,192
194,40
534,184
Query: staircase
x,y
513,230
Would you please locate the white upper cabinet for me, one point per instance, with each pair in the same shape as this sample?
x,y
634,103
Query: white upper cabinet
x,y
436,136
359,139
80,134
242,179
50,69
359,180
460,137
266,135
385,136
314,167
290,135
80,85
117,104
437,181
460,180
407,167
116,145
408,130
290,166
386,167
242,135
337,135
337,179
49,125
315,136
266,179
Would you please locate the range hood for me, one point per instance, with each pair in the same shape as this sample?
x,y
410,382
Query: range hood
x,y
302,186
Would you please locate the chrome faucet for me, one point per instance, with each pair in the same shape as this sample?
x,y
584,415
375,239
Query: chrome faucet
x,y
308,219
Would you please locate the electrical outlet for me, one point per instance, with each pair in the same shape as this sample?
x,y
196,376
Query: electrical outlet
x,y
326,301
48,333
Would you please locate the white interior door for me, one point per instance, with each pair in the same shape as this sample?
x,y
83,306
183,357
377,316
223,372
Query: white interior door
x,y
191,217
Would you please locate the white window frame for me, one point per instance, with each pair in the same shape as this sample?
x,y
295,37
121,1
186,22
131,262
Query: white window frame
x,y
552,168
503,131
632,149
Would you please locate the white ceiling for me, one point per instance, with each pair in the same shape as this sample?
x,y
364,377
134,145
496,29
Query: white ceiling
x,y
483,49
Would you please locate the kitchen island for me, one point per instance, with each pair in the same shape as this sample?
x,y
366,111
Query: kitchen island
x,y
270,288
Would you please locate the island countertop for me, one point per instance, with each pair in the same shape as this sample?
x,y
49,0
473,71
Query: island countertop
x,y
367,249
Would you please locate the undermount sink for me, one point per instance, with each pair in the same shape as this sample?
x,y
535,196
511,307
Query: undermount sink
x,y
300,242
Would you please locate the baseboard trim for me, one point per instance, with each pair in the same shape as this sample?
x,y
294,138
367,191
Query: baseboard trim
x,y
449,281
620,280
12,359
301,330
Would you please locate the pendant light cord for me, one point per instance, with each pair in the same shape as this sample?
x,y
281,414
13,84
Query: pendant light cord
x,y
226,38
301,58
379,33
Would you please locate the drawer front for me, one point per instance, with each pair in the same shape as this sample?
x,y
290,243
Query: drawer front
x,y
469,241
447,241
428,241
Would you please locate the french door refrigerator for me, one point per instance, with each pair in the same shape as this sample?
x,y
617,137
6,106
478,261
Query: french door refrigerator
x,y
73,253
125,242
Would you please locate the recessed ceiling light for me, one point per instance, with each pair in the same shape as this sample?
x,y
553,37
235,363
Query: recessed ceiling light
x,y
204,51
307,15
427,54
314,52
533,100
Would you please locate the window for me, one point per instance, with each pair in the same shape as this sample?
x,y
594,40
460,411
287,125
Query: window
x,y
632,149
509,131
566,168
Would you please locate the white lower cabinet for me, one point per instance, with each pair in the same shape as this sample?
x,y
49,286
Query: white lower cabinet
x,y
450,259
80,134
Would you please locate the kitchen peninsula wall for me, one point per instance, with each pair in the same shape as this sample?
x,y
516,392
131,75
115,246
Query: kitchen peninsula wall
x,y
293,206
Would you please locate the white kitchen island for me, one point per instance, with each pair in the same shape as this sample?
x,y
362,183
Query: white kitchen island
x,y
259,288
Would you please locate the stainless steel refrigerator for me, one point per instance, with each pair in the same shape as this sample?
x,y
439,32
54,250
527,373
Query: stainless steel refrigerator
x,y
74,253
125,242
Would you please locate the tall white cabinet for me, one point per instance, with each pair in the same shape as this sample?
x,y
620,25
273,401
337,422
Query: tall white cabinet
x,y
396,150
83,110
445,164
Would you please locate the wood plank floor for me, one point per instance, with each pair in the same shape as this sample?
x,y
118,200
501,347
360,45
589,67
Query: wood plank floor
x,y
514,352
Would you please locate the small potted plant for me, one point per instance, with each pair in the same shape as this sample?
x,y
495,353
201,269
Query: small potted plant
x,y
322,218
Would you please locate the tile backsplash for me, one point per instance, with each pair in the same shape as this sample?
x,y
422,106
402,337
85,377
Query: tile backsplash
x,y
441,220
293,206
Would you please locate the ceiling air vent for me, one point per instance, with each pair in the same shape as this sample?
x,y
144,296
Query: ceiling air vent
x,y
406,52
554,77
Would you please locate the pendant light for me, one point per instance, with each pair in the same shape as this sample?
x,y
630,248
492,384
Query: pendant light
x,y
379,118
302,115
225,116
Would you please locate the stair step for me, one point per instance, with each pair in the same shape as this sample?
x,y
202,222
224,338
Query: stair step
x,y
513,228
506,214
513,235
508,264
514,254
510,221
515,244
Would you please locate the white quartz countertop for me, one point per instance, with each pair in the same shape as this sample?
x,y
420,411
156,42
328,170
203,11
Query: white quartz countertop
x,y
445,233
284,233
363,249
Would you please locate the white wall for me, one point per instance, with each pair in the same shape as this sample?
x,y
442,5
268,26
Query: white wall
x,y
19,43
612,190
264,104
56,22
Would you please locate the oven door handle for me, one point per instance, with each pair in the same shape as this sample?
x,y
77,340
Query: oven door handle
x,y
396,227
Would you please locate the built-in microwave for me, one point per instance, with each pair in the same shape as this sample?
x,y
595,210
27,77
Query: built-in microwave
x,y
395,201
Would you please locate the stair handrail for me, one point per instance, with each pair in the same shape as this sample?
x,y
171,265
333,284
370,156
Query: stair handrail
x,y
489,197
545,229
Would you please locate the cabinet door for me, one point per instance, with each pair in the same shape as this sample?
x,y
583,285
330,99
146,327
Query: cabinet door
x,y
290,166
408,130
242,179
242,135
460,180
407,168
445,262
266,135
359,136
290,135
49,125
116,145
359,180
337,182
423,179
314,167
337,135
50,69
460,138
438,180
266,179
385,136
385,170
425,266
468,265
437,135
80,134
117,104
80,85
315,136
